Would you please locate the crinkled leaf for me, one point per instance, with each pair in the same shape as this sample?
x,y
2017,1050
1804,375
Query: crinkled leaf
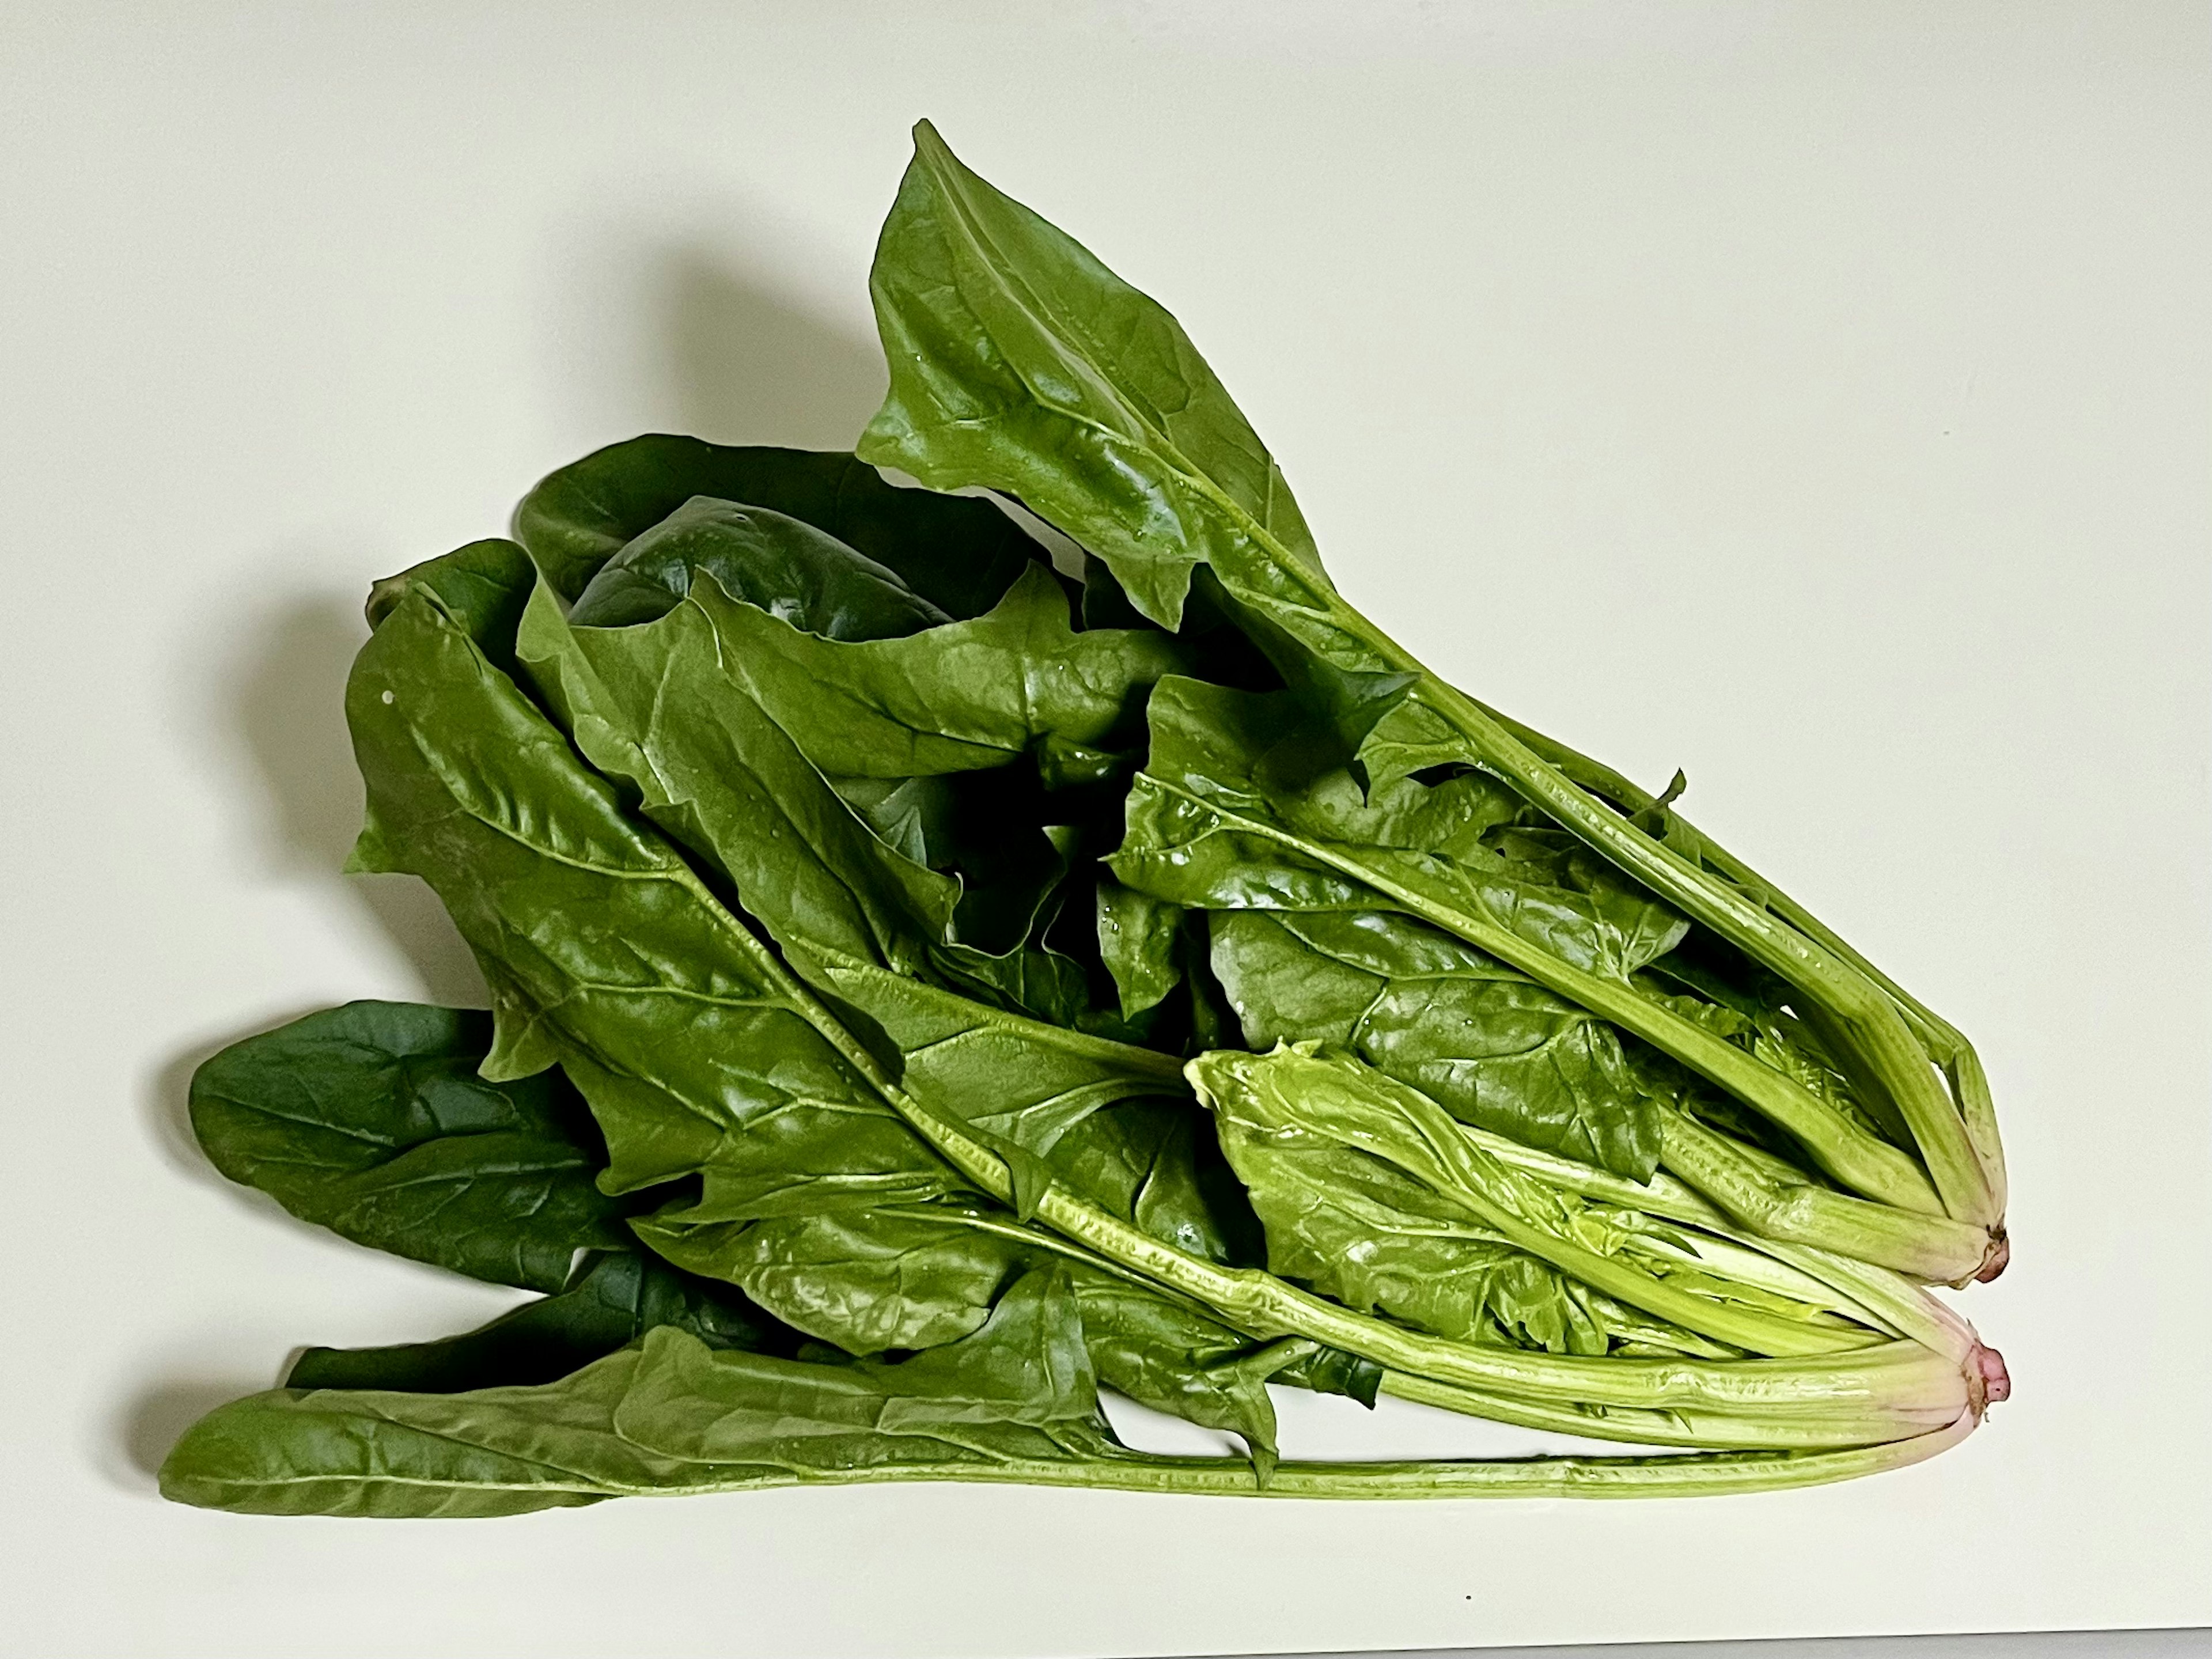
x,y
1486,1042
1360,1231
1245,803
967,696
1296,1100
867,1280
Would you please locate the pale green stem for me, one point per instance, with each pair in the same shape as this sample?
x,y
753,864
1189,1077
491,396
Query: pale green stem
x,y
1942,1041
1796,1211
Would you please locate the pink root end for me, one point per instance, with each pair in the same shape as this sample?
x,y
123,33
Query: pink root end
x,y
2000,1253
1989,1366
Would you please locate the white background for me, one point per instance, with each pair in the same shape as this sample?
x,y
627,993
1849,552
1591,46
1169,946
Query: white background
x,y
1814,397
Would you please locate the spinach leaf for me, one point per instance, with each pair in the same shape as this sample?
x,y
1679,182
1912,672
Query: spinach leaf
x,y
987,832
371,1120
850,877
923,1277
869,1280
959,555
1015,682
604,949
1244,804
785,566
1139,938
1019,362
647,705
423,1456
1358,1229
614,1299
669,1415
956,1056
1157,1164
950,877
1295,1101
681,1028
1489,1044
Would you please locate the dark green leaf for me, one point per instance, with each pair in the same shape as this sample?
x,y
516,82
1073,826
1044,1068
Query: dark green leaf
x,y
369,1453
650,706
1332,1371
791,570
959,555
371,1120
867,1280
923,1276
986,831
1245,802
1158,1164
1019,1084
618,1297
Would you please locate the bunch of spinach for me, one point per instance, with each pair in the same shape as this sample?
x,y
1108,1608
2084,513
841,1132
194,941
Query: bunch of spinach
x,y
931,984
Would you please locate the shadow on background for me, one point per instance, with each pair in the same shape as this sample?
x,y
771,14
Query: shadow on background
x,y
289,707
150,1422
749,366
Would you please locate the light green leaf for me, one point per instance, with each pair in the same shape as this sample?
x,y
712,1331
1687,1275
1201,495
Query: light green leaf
x,y
1296,1100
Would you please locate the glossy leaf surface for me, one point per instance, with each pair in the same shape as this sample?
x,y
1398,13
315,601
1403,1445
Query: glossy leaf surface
x,y
1019,362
